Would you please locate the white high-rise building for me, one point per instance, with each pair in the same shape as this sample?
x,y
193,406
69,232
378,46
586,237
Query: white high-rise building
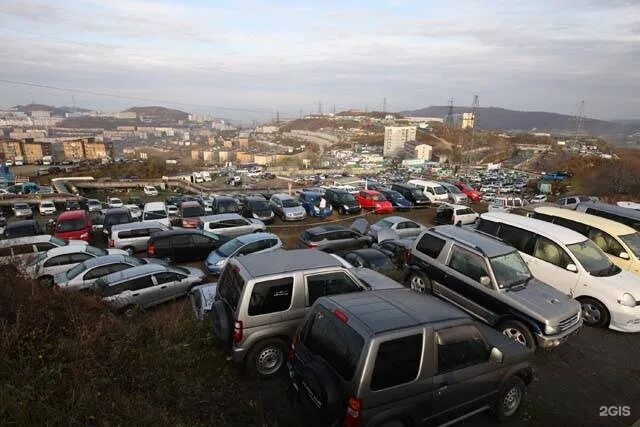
x,y
395,138
423,151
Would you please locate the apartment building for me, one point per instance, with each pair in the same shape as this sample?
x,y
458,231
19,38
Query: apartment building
x,y
394,139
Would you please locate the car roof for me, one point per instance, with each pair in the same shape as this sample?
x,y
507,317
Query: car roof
x,y
254,237
177,232
132,272
311,193
552,231
189,204
424,182
21,223
396,219
386,310
283,196
281,261
225,198
614,209
221,217
490,246
608,225
46,201
27,239
154,205
75,214
137,225
104,260
21,203
113,211
326,228
404,185
454,206
69,249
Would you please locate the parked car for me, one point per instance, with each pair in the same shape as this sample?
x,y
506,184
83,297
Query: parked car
x,y
455,214
261,299
94,205
335,237
374,259
156,212
190,212
433,190
23,228
625,216
136,213
490,280
201,298
257,207
394,358
571,202
114,202
505,204
135,200
374,201
21,250
84,275
473,195
146,285
133,237
413,194
113,217
287,208
225,204
22,210
230,225
173,211
74,225
342,201
315,204
539,198
174,200
57,260
573,264
399,202
183,245
150,190
455,195
47,207
404,228
241,246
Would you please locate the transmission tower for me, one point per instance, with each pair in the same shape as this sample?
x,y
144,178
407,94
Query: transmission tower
x,y
448,120
579,121
474,110
384,105
319,108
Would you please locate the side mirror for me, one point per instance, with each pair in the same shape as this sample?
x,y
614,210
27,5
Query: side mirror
x,y
624,255
496,355
572,268
485,281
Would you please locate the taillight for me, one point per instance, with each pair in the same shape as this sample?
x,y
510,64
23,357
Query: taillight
x,y
312,244
151,250
237,331
352,417
341,316
292,349
110,242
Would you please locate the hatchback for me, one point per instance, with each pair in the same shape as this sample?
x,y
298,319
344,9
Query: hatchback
x,y
287,208
74,225
22,210
84,275
183,245
374,201
315,204
241,246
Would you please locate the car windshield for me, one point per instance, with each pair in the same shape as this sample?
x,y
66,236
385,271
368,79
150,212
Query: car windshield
x,y
380,262
453,189
155,215
439,190
465,211
258,205
120,218
383,224
633,242
47,204
211,235
76,270
71,225
115,201
592,258
378,198
418,193
95,251
509,270
290,203
192,211
227,207
345,198
229,248
58,242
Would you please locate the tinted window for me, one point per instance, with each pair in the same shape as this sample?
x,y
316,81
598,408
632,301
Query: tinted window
x,y
22,249
58,260
460,347
335,342
182,241
520,239
140,283
430,245
547,250
606,242
572,225
163,243
320,285
98,272
397,362
230,285
488,227
468,263
167,277
271,296
542,217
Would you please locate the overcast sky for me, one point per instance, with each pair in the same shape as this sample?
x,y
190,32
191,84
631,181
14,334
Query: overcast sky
x,y
287,55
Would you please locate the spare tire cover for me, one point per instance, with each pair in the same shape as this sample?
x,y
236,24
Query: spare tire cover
x,y
320,394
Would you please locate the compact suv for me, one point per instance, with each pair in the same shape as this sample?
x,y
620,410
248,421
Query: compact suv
x,y
374,201
455,214
312,202
24,228
490,280
225,204
571,202
412,193
133,237
261,299
74,225
113,217
47,207
22,210
230,225
190,212
183,245
84,275
257,207
394,358
399,202
241,246
146,285
335,237
342,201
287,208
403,227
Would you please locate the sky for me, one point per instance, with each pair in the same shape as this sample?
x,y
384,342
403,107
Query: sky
x,y
246,59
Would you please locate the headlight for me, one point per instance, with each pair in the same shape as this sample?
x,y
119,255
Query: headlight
x,y
316,209
221,262
346,208
550,330
627,300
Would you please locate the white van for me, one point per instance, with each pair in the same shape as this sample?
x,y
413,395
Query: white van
x,y
156,211
573,264
434,191
150,190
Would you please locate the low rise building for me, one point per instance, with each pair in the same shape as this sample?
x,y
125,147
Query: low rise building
x,y
423,151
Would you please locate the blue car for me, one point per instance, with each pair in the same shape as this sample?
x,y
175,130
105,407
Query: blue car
x,y
310,201
399,202
240,246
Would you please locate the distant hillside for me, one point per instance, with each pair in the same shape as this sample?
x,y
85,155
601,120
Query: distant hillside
x,y
493,118
159,113
55,111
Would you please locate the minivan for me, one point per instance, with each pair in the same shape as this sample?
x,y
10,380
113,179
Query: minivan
x,y
625,216
412,193
112,217
434,191
183,245
573,264
133,237
74,225
157,212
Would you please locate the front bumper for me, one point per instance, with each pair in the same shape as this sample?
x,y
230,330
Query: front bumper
x,y
625,319
352,210
295,218
550,341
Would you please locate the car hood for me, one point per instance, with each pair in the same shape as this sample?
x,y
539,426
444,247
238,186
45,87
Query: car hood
x,y
214,257
386,234
542,302
297,209
623,282
374,279
256,222
117,252
195,271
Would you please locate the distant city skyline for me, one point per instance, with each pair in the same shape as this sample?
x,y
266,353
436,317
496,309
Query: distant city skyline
x,y
256,58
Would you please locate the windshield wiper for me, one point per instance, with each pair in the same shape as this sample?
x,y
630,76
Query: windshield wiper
x,y
520,283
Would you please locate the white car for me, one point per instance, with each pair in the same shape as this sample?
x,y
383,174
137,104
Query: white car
x,y
156,211
47,264
94,205
114,202
150,190
47,207
448,213
173,210
136,213
540,198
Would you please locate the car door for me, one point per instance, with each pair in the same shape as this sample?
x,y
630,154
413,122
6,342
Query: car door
x,y
170,285
141,291
201,246
182,248
407,229
465,379
548,262
251,248
276,206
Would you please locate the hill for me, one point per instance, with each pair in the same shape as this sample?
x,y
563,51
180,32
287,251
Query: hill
x,y
493,118
55,111
159,113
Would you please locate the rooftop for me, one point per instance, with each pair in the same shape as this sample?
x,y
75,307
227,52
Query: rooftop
x,y
544,228
489,246
285,261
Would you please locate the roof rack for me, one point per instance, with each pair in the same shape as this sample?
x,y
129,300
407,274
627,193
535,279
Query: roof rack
x,y
459,240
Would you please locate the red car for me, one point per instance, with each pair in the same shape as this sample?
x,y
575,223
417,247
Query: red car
x,y
74,225
372,200
191,212
473,195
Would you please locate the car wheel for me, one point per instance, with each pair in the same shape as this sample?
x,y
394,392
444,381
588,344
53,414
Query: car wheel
x,y
420,283
266,358
46,281
510,396
130,310
518,332
594,313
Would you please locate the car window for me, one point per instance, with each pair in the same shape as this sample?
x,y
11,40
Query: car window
x,y
430,245
97,272
460,347
141,283
23,249
251,248
407,224
271,296
488,227
79,257
58,260
5,251
572,225
606,242
200,240
549,251
397,362
518,238
166,277
319,285
181,241
468,263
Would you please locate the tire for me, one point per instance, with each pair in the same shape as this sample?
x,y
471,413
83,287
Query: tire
x,y
221,320
320,395
519,332
594,313
420,282
46,281
130,310
266,359
511,395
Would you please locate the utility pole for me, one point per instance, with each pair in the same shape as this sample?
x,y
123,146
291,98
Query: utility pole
x,y
319,108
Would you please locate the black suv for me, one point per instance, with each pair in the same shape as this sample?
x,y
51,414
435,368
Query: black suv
x,y
397,358
256,207
225,204
412,193
113,217
490,280
335,238
183,245
342,201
